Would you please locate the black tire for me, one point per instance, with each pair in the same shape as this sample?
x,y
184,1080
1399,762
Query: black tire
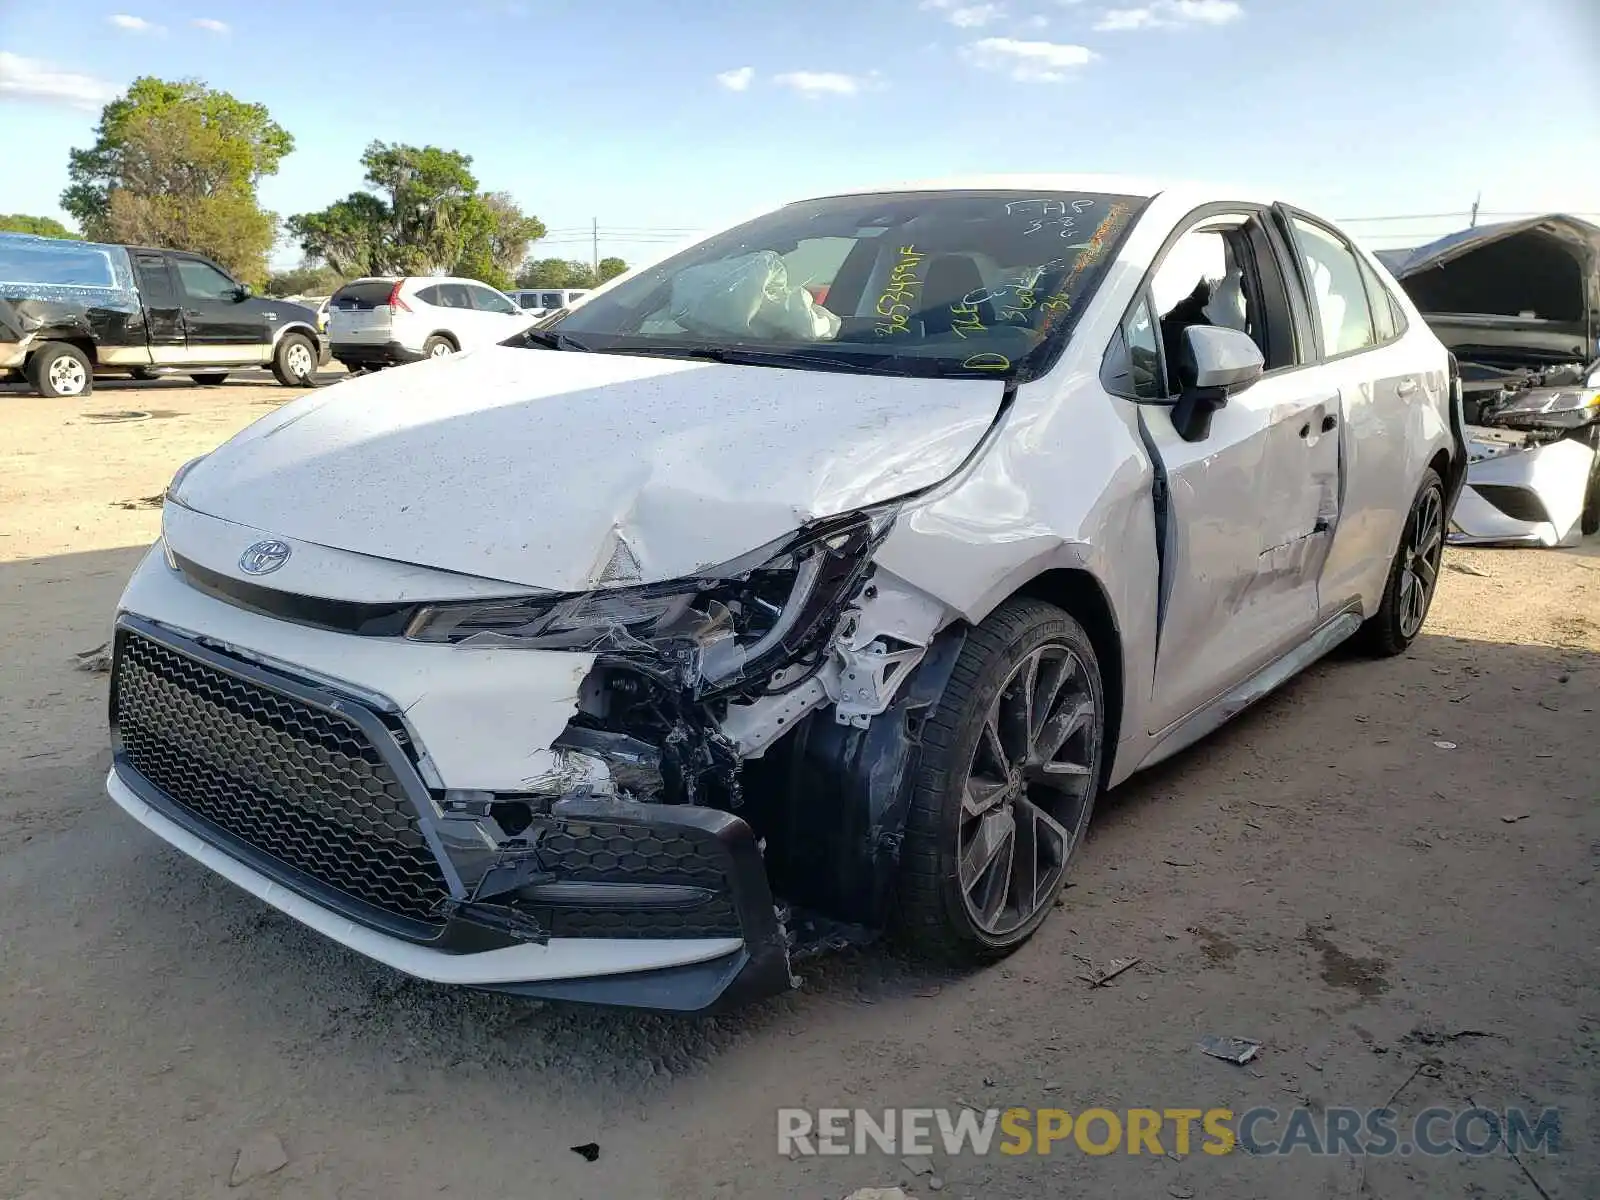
x,y
61,369
143,374
1395,625
934,917
210,378
294,363
437,346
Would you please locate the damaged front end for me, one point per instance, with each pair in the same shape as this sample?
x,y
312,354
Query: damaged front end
x,y
738,763
1534,457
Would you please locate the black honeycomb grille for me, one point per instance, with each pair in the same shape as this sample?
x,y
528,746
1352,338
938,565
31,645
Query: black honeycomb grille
x,y
294,781
594,851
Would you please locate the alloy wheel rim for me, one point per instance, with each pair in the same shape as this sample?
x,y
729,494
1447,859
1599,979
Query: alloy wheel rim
x,y
1025,796
67,376
299,361
442,349
1419,570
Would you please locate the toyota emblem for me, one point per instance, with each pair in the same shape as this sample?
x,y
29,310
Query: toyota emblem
x,y
264,558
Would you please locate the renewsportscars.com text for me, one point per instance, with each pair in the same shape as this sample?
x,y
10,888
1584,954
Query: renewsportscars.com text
x,y
1259,1131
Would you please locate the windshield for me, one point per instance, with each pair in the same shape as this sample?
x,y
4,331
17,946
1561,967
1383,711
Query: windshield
x,y
969,283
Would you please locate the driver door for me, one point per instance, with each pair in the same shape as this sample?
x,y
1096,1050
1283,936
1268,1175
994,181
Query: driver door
x,y
1248,509
219,324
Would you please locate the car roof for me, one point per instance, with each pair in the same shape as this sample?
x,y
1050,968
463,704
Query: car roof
x,y
1190,193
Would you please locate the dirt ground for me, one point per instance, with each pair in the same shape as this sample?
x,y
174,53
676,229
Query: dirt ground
x,y
1394,919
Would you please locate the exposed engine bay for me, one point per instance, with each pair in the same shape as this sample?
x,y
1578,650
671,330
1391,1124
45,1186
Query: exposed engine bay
x,y
1533,448
1518,304
774,689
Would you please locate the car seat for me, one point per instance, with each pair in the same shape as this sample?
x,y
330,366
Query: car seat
x,y
948,281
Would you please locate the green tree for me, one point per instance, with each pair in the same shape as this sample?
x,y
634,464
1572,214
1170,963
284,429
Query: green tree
x,y
177,164
422,215
41,226
610,268
308,279
555,273
497,239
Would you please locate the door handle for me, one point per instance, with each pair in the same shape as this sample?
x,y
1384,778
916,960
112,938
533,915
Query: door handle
x,y
1328,422
1406,387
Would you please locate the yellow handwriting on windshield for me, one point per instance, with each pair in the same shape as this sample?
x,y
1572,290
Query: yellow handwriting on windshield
x,y
1060,301
964,319
894,306
987,361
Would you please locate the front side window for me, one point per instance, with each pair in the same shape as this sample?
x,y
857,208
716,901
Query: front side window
x,y
1333,277
202,281
550,300
970,283
1223,272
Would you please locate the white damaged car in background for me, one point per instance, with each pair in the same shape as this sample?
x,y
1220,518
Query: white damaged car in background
x,y
1518,303
808,585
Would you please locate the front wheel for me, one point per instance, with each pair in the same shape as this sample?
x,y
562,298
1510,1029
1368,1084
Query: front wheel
x,y
1413,575
1008,775
294,363
60,369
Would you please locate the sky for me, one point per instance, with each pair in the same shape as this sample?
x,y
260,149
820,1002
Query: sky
x,y
662,119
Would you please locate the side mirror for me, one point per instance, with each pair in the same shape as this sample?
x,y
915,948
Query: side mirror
x,y
243,292
1214,363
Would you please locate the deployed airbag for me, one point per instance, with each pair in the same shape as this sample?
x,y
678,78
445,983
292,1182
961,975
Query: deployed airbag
x,y
749,296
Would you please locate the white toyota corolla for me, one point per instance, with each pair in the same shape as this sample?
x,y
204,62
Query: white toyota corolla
x,y
809,584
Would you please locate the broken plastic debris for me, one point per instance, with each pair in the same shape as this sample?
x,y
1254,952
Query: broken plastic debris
x,y
918,1164
1445,745
97,660
1513,818
1100,976
879,1193
1229,1049
589,1150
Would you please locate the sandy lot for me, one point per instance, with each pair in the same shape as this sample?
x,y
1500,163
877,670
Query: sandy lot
x,y
1394,920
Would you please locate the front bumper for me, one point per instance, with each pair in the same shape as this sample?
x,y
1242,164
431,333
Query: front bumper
x,y
375,354
1516,494
311,800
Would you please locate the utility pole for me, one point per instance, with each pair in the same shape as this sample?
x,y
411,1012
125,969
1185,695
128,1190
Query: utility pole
x,y
595,223
1476,201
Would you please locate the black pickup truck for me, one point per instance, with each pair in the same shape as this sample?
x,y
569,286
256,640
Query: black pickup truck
x,y
71,311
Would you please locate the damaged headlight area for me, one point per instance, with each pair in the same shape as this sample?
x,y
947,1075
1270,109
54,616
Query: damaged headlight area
x,y
724,630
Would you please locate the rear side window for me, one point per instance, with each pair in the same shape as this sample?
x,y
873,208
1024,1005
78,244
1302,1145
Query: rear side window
x,y
155,284
1387,321
56,264
429,295
551,300
1338,295
452,295
363,295
485,300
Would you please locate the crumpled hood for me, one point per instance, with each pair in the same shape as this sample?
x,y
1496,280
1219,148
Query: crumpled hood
x,y
531,466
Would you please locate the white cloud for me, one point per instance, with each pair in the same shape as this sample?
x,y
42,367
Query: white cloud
x,y
34,79
1207,12
212,25
965,16
974,16
1039,22
1169,14
1028,62
819,83
738,79
133,24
